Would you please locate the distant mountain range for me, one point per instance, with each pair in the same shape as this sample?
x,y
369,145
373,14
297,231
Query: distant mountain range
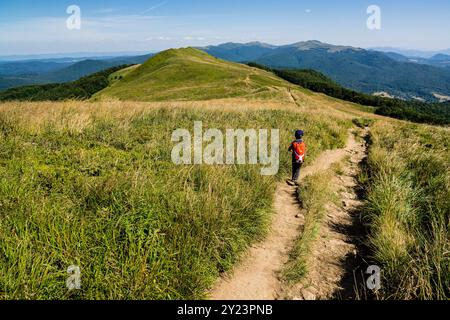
x,y
437,60
363,70
57,70
391,73
70,56
412,52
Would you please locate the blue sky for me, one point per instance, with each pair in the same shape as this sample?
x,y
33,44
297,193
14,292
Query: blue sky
x,y
36,27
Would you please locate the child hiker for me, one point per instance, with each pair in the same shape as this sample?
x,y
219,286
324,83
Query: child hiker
x,y
298,149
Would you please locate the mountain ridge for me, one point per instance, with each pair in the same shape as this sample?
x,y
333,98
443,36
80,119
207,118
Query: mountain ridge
x,y
189,74
356,68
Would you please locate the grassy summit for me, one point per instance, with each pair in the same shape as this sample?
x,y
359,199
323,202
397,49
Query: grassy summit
x,y
190,74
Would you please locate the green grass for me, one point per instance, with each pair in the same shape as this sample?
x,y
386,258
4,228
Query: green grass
x,y
95,187
408,205
189,74
363,122
118,75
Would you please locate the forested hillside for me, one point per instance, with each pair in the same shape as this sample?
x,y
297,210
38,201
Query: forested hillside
x,y
434,113
80,89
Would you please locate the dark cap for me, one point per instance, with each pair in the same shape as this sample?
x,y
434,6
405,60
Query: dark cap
x,y
299,134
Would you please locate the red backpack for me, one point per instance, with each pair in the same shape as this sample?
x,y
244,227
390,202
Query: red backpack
x,y
299,149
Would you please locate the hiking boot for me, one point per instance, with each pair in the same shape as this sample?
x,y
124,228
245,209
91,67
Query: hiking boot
x,y
291,183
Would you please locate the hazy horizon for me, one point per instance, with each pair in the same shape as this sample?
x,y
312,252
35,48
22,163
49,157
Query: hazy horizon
x,y
93,54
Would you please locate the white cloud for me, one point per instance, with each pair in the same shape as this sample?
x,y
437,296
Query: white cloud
x,y
190,38
155,7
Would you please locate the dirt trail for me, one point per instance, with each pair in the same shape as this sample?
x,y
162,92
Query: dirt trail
x,y
257,276
336,260
293,98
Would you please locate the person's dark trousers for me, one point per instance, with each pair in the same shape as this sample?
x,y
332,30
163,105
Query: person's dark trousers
x,y
296,171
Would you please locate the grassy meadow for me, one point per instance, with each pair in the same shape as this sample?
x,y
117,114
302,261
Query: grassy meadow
x,y
93,185
407,180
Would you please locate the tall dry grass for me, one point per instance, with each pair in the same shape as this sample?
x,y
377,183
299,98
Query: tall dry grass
x,y
408,205
93,185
